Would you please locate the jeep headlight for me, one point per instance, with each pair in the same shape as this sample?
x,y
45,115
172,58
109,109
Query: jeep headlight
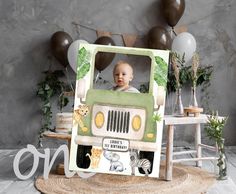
x,y
99,119
136,122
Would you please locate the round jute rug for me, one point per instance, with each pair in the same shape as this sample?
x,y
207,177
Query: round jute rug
x,y
186,179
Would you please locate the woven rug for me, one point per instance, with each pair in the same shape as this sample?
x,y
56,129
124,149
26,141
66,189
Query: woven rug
x,y
186,179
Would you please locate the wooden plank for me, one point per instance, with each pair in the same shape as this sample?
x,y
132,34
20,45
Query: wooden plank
x,y
4,184
171,120
6,164
7,172
231,172
57,135
223,187
21,187
231,162
29,186
231,148
6,153
231,157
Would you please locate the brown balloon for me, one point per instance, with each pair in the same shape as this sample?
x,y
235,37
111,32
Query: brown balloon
x,y
60,42
159,38
173,11
103,59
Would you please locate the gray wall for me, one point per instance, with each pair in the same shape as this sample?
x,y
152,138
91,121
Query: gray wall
x,y
26,27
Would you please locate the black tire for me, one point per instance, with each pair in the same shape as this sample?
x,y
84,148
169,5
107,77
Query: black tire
x,y
82,160
149,156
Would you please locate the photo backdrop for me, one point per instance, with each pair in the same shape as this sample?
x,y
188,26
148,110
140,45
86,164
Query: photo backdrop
x,y
26,28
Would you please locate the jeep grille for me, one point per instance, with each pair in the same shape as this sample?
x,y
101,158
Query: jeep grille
x,y
117,121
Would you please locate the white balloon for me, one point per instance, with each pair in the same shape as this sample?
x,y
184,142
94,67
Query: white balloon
x,y
72,53
184,43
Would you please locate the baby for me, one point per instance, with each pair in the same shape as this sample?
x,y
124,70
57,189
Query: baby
x,y
123,74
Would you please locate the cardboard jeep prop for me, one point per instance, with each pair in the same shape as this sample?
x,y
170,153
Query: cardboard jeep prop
x,y
114,131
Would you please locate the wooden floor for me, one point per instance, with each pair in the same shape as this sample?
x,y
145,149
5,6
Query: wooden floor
x,y
10,184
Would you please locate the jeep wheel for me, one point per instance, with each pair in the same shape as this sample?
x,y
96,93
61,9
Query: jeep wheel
x,y
82,160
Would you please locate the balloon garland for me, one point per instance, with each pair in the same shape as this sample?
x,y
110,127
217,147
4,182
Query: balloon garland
x,y
66,51
158,37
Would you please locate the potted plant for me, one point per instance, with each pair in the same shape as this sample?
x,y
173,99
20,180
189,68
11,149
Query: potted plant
x,y
51,87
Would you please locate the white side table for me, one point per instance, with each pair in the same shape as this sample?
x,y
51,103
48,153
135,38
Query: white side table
x,y
170,121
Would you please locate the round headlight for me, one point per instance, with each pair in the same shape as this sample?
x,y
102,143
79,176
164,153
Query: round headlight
x,y
136,122
99,119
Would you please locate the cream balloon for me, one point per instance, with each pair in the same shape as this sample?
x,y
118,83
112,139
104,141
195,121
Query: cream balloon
x,y
72,53
184,43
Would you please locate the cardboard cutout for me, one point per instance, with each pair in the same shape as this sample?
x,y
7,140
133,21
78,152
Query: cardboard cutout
x,y
113,131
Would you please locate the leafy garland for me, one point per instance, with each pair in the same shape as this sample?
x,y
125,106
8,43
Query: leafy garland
x,y
48,88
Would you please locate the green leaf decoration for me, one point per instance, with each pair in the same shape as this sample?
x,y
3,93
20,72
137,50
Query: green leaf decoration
x,y
156,117
214,127
83,65
160,71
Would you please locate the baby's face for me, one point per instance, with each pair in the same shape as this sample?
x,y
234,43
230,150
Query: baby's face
x,y
123,74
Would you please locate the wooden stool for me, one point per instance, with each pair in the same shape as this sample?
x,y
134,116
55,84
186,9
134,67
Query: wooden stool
x,y
195,111
171,121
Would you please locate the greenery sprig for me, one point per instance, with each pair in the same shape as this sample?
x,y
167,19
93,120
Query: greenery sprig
x,y
177,65
195,66
156,117
214,130
214,127
185,77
